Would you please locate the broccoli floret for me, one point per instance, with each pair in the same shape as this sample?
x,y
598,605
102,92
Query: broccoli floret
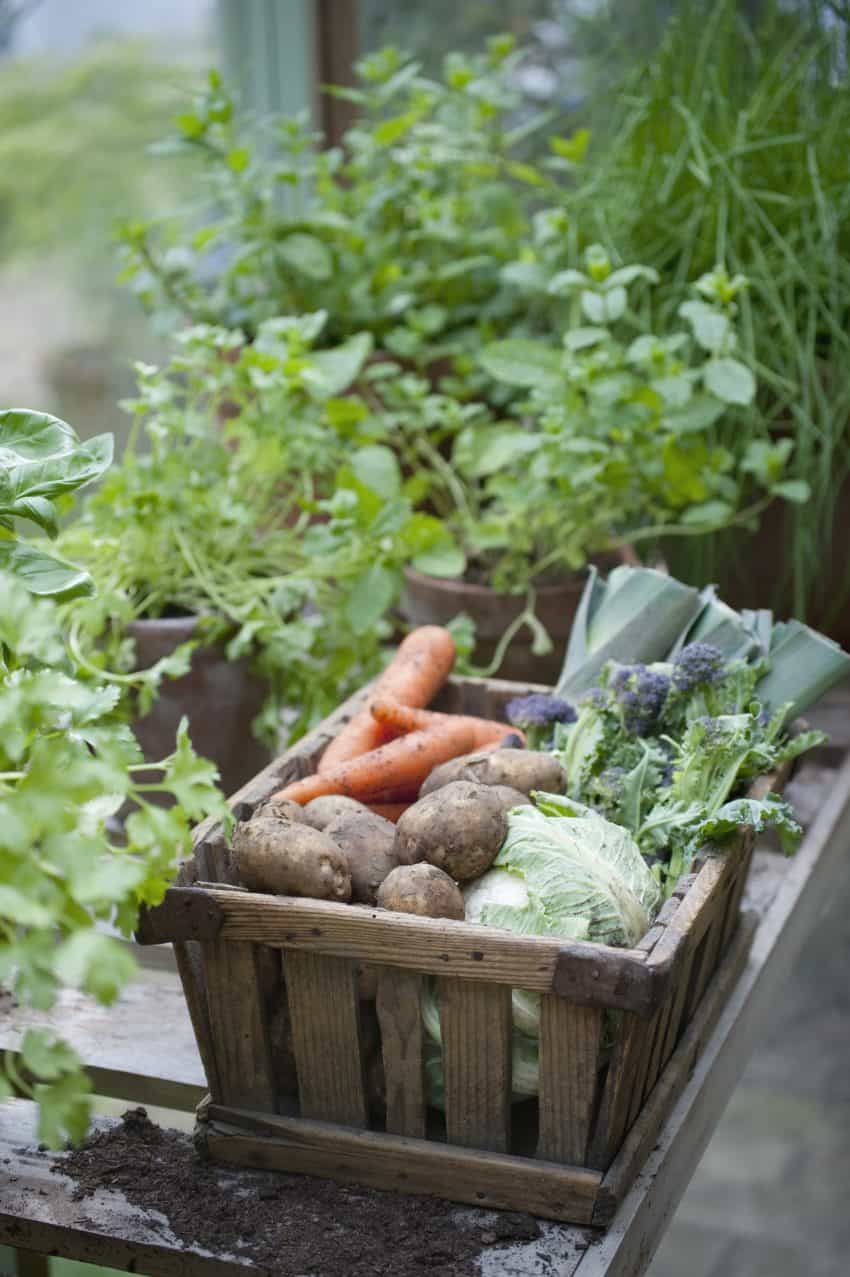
x,y
539,710
698,664
640,693
537,714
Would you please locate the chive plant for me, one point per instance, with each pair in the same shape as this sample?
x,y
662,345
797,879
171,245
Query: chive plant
x,y
732,146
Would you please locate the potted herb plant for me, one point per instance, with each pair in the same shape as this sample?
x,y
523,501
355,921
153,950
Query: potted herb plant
x,y
246,554
626,437
403,231
741,150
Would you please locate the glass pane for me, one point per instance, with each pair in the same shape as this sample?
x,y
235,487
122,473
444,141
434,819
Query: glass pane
x,y
85,88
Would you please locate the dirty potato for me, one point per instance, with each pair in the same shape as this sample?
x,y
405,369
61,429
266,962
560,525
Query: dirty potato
x,y
422,889
522,769
280,809
510,797
289,859
459,828
368,843
319,812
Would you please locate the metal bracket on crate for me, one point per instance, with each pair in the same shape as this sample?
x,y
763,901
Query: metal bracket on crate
x,y
186,913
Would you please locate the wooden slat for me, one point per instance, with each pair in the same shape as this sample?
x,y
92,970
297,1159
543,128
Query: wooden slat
x,y
690,921
626,1071
238,1027
643,1134
190,967
219,859
709,956
402,1044
677,1009
569,1069
733,907
656,1050
324,1013
489,1180
475,1026
438,946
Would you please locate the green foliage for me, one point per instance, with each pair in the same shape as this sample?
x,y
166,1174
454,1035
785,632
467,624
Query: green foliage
x,y
259,505
41,460
639,433
730,145
665,757
66,767
404,231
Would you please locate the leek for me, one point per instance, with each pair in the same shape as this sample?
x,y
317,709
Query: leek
x,y
803,666
636,615
738,635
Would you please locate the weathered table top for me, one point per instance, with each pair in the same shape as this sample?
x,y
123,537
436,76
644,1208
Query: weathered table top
x,y
142,1049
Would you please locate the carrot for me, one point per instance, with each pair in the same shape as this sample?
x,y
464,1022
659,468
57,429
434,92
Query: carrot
x,y
403,765
390,811
403,718
418,670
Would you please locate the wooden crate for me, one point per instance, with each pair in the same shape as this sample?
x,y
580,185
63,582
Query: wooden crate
x,y
302,1008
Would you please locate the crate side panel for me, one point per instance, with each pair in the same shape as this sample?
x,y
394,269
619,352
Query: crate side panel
x,y
239,1026
626,1072
488,1180
324,1013
402,1048
570,1038
475,1025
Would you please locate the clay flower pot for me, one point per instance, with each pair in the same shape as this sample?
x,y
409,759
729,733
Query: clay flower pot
x,y
432,600
220,698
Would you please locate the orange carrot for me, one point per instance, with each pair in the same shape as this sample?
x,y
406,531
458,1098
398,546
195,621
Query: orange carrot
x,y
403,718
416,673
403,764
390,811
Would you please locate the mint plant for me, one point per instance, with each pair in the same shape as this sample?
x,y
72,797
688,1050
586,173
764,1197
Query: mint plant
x,y
403,231
634,435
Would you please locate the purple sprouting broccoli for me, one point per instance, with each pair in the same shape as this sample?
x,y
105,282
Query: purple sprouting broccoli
x,y
640,693
537,714
538,709
698,664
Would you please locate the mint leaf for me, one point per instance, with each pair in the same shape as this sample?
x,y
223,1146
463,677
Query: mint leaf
x,y
730,380
521,363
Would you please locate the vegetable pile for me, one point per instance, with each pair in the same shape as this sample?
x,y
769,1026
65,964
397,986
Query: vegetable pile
x,y
577,815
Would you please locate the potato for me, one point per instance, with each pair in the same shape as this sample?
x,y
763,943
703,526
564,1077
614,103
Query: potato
x,y
509,797
459,828
288,859
422,889
368,842
281,809
321,811
522,769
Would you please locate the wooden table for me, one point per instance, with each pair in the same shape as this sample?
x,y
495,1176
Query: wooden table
x,y
143,1050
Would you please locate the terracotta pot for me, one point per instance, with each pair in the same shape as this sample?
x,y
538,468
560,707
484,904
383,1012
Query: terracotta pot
x,y
431,600
220,698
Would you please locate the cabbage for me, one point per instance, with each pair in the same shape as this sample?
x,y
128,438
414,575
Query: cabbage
x,y
575,866
563,870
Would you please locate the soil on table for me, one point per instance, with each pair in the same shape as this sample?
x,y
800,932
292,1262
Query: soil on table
x,y
292,1225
